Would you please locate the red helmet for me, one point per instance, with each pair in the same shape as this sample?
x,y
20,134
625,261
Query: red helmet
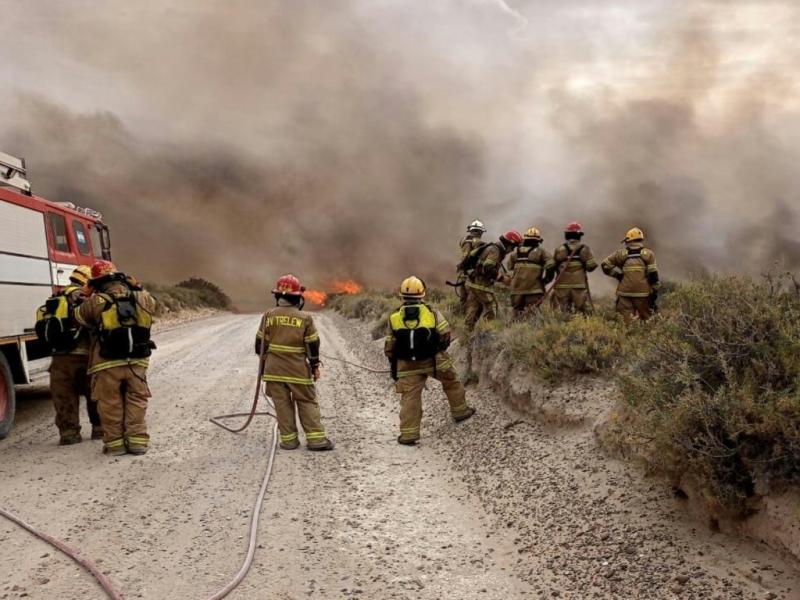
x,y
103,268
514,237
574,227
289,285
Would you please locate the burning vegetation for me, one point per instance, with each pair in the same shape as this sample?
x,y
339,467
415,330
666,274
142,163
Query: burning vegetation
x,y
345,287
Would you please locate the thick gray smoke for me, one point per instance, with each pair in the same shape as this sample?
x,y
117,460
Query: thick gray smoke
x,y
353,139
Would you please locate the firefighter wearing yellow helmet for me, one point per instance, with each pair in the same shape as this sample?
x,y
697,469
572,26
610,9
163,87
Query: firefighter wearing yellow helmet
x,y
69,344
531,268
416,345
634,266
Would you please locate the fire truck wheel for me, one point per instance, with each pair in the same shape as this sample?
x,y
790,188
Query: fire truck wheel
x,y
7,403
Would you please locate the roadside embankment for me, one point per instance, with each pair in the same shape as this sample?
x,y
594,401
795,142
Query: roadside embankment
x,y
706,396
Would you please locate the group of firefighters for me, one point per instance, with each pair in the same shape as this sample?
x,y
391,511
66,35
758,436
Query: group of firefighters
x,y
98,331
531,268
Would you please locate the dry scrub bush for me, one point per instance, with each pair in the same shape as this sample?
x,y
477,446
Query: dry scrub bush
x,y
557,346
191,294
714,389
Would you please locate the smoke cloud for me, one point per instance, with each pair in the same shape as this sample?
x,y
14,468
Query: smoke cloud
x,y
355,139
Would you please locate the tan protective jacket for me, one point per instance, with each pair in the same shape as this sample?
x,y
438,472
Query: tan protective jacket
x,y
292,345
489,263
635,264
90,314
582,262
528,266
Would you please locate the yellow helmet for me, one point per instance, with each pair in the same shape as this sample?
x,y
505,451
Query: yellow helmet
x,y
81,275
634,235
533,234
413,287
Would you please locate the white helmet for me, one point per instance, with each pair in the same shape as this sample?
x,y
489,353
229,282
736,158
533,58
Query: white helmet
x,y
476,226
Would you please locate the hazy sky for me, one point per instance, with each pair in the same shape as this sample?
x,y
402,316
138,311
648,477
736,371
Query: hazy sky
x,y
354,125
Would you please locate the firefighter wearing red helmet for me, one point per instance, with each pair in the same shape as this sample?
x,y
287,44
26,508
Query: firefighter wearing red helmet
x,y
574,260
120,315
484,263
289,344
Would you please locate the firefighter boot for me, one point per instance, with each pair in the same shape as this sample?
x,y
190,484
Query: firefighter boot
x,y
97,433
68,438
115,447
406,442
292,444
464,416
326,444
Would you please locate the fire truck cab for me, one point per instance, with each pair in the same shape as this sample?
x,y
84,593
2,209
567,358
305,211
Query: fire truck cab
x,y
41,242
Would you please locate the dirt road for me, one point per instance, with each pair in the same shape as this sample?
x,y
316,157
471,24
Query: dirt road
x,y
368,520
477,511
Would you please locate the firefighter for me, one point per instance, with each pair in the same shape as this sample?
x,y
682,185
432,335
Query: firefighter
x,y
416,345
484,263
574,260
120,318
531,268
634,266
475,231
290,343
68,370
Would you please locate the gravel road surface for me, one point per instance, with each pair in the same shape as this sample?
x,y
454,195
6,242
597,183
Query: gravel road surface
x,y
368,520
494,508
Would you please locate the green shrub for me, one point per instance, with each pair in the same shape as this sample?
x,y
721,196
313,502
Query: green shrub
x,y
557,346
714,389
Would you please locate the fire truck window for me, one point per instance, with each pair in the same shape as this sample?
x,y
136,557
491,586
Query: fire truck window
x,y
97,243
81,238
58,225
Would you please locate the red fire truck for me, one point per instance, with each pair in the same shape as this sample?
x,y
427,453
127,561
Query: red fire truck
x,y
41,242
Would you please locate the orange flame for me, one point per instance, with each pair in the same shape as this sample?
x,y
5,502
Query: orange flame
x,y
346,286
320,299
316,297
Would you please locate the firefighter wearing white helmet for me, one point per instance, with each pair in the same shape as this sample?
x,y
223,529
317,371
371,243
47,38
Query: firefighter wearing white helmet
x,y
416,345
634,266
475,231
531,268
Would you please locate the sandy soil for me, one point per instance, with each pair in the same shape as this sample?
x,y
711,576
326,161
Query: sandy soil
x,y
369,520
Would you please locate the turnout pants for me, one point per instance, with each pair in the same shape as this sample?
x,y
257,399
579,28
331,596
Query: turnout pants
x,y
122,394
479,304
634,308
572,300
525,303
289,397
68,382
410,390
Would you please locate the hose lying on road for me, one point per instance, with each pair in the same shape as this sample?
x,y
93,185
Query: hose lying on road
x,y
352,364
87,564
255,514
106,583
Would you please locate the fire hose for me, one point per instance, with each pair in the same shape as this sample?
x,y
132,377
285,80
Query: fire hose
x,y
106,583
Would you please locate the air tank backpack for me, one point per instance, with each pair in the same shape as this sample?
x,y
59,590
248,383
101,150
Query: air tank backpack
x,y
125,330
415,331
55,325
